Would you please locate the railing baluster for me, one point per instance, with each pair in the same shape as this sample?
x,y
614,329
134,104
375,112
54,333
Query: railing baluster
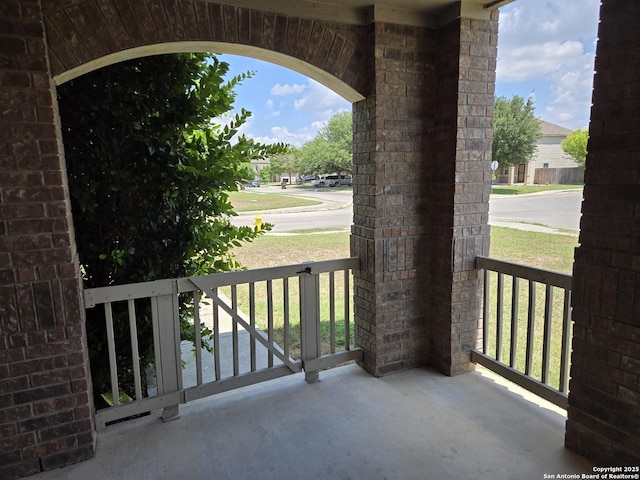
x,y
499,316
347,311
164,299
236,349
111,345
270,320
566,342
332,312
252,322
546,336
216,337
156,346
285,300
515,306
486,311
198,336
541,343
310,323
531,323
135,354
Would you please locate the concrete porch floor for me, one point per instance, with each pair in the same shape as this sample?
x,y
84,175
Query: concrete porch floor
x,y
416,424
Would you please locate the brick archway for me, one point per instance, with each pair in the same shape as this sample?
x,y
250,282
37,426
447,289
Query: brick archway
x,y
94,34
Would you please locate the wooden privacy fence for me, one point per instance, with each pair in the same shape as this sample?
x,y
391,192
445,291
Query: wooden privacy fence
x,y
262,326
527,327
559,176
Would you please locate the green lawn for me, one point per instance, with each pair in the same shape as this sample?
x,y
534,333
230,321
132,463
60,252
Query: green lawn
x,y
547,251
252,201
523,189
542,250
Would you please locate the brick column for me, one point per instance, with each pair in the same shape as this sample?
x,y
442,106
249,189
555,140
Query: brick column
x,y
459,181
389,152
422,144
45,412
604,398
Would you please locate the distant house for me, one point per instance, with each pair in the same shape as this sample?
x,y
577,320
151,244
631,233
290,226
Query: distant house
x,y
549,155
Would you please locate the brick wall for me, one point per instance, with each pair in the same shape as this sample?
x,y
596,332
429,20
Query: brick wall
x,y
422,147
390,152
82,31
604,400
45,417
459,186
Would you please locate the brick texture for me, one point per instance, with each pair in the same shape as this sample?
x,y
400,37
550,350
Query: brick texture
x,y
422,139
422,146
390,136
81,31
460,183
604,400
45,417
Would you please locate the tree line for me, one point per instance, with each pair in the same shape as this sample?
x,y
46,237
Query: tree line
x,y
516,130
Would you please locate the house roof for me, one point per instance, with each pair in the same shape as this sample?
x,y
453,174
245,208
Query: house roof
x,y
552,130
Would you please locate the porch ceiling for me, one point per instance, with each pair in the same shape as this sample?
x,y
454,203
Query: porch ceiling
x,y
410,12
414,424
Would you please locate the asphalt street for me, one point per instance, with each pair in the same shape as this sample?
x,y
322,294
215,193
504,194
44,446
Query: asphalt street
x,y
551,211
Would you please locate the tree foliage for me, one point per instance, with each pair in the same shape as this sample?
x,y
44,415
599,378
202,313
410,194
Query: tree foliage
x,y
515,131
575,145
332,148
149,168
284,163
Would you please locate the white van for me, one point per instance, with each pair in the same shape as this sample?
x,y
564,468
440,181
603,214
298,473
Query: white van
x,y
333,180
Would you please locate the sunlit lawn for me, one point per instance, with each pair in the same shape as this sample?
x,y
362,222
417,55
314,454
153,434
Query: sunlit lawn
x,y
524,189
547,251
255,200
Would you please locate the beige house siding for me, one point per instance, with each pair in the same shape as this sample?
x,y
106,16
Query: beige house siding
x,y
549,151
549,154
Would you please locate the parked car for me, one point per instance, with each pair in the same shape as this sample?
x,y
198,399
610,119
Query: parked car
x,y
305,179
332,180
253,183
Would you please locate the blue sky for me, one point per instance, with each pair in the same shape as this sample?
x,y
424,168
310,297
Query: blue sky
x,y
546,50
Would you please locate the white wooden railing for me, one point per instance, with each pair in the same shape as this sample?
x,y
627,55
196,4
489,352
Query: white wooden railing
x,y
526,333
266,336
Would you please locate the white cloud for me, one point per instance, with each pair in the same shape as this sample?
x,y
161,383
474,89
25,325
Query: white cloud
x,y
571,100
528,22
281,90
318,98
271,108
283,135
300,103
536,61
550,43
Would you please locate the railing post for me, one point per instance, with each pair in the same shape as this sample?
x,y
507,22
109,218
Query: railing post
x,y
310,321
167,344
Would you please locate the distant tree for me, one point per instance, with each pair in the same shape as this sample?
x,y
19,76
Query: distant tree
x,y
575,145
331,150
265,174
283,163
515,131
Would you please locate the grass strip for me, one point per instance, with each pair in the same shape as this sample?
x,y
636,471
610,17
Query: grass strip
x,y
250,201
524,189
